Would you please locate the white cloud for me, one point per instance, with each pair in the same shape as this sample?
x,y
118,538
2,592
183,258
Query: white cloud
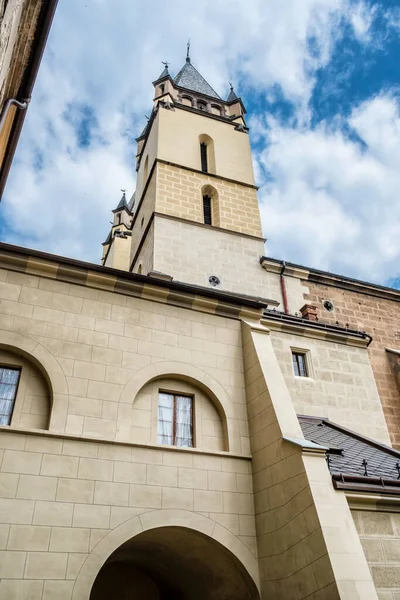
x,y
333,201
105,54
362,15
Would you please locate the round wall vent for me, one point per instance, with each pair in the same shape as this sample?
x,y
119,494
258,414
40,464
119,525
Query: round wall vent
x,y
328,305
214,280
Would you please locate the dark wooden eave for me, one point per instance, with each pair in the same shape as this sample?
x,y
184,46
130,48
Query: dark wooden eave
x,y
25,91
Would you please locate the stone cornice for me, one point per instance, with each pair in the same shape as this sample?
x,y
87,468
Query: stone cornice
x,y
311,329
179,294
330,279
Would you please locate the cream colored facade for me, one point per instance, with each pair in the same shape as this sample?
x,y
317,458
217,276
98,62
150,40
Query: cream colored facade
x,y
92,506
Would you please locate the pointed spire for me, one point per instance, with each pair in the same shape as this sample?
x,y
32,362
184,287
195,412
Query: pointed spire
x,y
190,79
232,96
165,73
122,203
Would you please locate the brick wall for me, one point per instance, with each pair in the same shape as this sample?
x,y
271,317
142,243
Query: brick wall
x,y
380,318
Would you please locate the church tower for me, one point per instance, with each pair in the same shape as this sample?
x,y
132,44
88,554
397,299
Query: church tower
x,y
194,216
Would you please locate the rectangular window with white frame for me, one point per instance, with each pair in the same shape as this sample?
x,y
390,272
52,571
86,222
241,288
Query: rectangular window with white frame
x,y
175,419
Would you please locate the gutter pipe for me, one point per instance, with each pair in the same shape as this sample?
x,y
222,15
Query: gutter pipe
x,y
283,289
8,104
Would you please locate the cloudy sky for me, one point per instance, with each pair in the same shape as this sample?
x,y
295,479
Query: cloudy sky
x,y
320,79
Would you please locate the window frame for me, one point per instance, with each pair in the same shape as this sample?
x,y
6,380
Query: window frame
x,y
306,362
174,423
12,367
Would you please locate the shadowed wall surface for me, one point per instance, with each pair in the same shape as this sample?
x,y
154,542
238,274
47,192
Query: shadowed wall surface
x,y
173,563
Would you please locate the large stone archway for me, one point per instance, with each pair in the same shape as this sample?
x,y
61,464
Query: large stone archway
x,y
173,563
219,547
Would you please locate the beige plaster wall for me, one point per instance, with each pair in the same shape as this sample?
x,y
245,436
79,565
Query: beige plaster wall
x,y
150,151
143,212
341,385
33,401
380,537
303,552
231,257
146,255
179,132
60,498
102,343
208,427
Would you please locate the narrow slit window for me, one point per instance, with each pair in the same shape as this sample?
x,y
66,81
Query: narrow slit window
x,y
175,420
207,210
300,364
9,379
204,160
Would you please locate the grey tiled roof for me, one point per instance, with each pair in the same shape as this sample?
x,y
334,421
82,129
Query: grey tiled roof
x,y
381,460
189,78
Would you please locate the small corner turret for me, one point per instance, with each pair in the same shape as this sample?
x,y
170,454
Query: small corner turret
x,y
116,248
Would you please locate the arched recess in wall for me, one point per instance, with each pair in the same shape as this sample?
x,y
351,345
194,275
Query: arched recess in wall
x,y
210,199
215,109
175,371
154,522
207,154
44,362
187,100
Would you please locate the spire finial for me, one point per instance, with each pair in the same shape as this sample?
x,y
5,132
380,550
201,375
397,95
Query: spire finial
x,y
165,63
231,86
123,191
188,51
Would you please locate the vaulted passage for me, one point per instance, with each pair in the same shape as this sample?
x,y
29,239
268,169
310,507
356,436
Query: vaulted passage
x,y
173,563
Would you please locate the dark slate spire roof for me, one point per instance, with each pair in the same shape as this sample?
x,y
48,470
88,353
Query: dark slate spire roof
x,y
165,73
232,96
189,78
380,460
122,203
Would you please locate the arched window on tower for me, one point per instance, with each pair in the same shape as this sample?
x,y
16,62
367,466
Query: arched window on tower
x,y
207,155
162,89
207,209
204,157
210,205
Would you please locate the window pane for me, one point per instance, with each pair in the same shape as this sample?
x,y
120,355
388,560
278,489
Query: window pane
x,y
8,389
295,364
184,433
165,418
302,365
207,210
204,161
299,364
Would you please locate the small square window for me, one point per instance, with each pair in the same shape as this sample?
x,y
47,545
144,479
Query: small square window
x,y
300,366
9,379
